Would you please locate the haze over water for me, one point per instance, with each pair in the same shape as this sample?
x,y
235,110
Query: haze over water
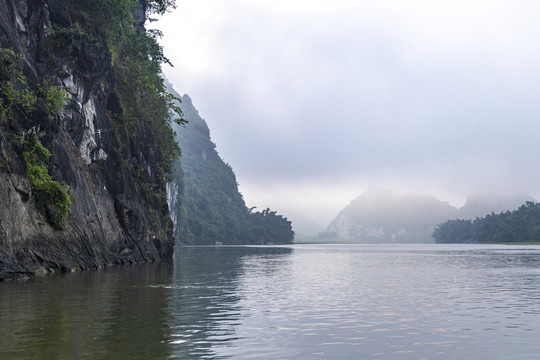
x,y
332,98
301,302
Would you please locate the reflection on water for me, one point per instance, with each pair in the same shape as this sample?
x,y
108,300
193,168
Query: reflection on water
x,y
302,302
107,314
205,301
350,302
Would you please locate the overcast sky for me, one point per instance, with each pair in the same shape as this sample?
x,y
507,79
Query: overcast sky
x,y
312,102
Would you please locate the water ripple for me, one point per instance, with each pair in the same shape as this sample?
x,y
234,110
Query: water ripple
x,y
332,302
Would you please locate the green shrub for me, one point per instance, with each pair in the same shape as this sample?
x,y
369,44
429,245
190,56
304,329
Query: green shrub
x,y
7,64
54,97
47,192
14,92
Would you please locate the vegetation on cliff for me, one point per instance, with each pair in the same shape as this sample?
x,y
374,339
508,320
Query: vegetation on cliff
x,y
14,92
50,196
86,143
136,59
141,101
518,226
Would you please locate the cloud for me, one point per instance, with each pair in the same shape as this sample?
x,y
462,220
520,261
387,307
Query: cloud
x,y
423,94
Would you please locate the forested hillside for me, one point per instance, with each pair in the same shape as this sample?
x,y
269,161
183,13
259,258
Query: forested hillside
x,y
206,206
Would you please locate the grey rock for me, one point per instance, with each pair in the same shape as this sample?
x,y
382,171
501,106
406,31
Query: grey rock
x,y
109,222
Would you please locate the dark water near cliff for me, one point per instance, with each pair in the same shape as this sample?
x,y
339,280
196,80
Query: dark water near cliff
x,y
301,302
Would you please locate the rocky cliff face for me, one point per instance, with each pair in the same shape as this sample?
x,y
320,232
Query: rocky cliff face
x,y
117,214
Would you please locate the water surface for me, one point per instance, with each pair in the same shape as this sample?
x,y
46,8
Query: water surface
x,y
298,302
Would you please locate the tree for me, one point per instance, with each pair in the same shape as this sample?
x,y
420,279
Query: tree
x,y
521,225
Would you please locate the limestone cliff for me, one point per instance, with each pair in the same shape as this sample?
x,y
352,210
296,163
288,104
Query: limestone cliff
x,y
109,165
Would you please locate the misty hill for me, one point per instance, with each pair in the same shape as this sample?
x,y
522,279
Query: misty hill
x,y
304,227
206,206
478,206
379,216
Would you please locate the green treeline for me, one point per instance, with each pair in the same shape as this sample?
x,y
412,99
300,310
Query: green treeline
x,y
518,226
267,227
212,210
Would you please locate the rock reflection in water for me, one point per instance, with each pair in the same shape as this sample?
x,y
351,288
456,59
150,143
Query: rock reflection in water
x,y
115,313
402,302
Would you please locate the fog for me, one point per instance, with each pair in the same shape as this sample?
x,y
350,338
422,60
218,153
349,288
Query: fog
x,y
311,103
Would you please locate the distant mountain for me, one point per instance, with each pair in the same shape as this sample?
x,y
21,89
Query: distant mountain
x,y
304,227
380,216
479,206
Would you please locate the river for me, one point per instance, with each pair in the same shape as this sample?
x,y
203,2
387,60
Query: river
x,y
294,302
